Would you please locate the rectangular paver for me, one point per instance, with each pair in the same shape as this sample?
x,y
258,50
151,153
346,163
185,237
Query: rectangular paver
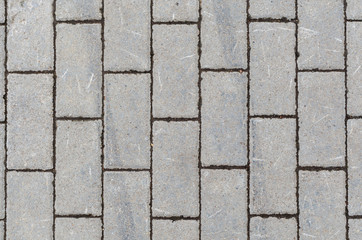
x,y
273,228
272,165
170,230
2,171
175,169
175,10
2,72
79,70
78,10
224,34
322,198
127,121
29,205
354,153
224,119
272,9
78,229
272,68
321,119
2,229
355,229
175,91
223,204
127,35
354,9
126,205
30,121
2,11
321,34
354,68
78,165
30,35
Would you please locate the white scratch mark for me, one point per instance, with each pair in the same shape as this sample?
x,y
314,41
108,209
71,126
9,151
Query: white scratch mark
x,y
308,235
66,71
90,81
189,56
213,215
356,71
321,119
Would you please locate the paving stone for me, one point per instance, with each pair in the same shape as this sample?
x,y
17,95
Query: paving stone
x,y
273,229
78,10
79,70
127,35
78,229
354,153
2,229
175,91
224,204
170,230
30,121
354,9
78,165
127,121
272,9
2,172
321,119
2,72
224,119
175,169
30,35
2,11
321,34
354,69
272,165
355,229
224,34
175,10
322,198
126,205
29,205
272,68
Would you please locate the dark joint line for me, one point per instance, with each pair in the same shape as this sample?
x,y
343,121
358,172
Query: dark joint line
x,y
321,70
31,72
176,218
353,117
77,216
127,72
274,116
224,167
239,70
31,170
279,216
170,119
355,217
354,20
280,20
91,21
78,118
175,23
318,169
126,170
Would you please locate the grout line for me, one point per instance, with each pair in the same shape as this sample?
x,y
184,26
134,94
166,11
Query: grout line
x,y
176,218
280,20
349,116
126,170
354,20
320,70
297,118
355,217
151,117
170,119
239,70
126,72
224,167
102,118
78,118
273,116
77,216
2,122
346,114
248,17
33,72
199,106
32,170
174,23
6,114
318,168
279,216
74,22
54,111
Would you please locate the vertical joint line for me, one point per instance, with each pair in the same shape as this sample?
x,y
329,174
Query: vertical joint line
x,y
297,116
199,109
248,122
103,125
54,111
151,117
5,113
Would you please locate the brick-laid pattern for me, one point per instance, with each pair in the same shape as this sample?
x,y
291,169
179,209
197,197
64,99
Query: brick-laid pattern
x,y
154,119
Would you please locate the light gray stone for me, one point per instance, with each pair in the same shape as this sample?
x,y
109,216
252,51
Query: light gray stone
x,y
30,121
321,119
322,198
273,229
224,119
79,70
175,169
272,165
2,229
354,68
175,91
78,229
29,205
354,9
2,11
354,153
2,72
175,10
127,35
272,9
30,35
272,68
126,205
127,121
321,34
78,9
223,34
224,204
2,172
78,165
180,230
355,229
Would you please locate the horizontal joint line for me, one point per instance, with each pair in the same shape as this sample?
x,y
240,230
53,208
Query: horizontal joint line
x,y
93,21
273,116
126,170
224,167
281,20
354,117
30,170
31,72
175,119
239,70
355,217
176,218
127,72
77,216
78,119
175,23
321,70
286,215
317,169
